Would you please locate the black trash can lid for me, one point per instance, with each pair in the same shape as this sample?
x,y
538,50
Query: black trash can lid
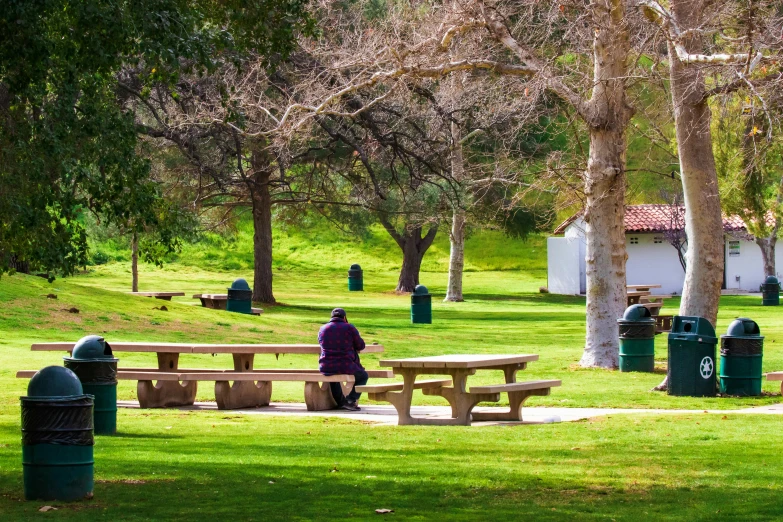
x,y
420,290
743,327
771,280
355,267
637,313
90,348
54,381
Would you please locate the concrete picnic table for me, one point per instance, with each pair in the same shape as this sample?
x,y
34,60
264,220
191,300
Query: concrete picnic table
x,y
166,296
462,401
215,301
177,387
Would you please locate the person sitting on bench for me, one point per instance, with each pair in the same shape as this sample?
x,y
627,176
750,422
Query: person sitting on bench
x,y
340,346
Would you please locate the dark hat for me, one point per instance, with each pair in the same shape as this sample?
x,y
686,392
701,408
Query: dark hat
x,y
338,312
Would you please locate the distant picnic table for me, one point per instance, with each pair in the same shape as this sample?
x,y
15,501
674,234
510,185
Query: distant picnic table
x,y
166,296
641,294
251,387
462,401
219,302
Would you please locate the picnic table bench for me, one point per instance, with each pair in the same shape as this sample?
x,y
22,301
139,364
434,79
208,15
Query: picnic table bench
x,y
169,385
462,400
219,302
776,376
166,296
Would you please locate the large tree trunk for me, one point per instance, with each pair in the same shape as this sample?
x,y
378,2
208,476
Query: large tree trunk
x,y
767,246
135,262
607,116
703,221
457,236
456,257
262,239
413,247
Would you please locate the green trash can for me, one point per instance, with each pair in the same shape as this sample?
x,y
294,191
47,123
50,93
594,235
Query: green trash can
x,y
57,437
741,350
421,305
96,367
637,340
355,279
770,291
240,297
691,370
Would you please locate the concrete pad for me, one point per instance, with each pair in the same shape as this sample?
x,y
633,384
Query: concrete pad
x,y
386,414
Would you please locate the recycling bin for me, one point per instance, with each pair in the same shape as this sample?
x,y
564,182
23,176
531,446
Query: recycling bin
x,y
637,340
741,350
770,291
421,305
691,365
240,297
355,279
96,367
57,437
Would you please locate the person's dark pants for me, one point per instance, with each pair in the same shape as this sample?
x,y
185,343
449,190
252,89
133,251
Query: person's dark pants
x,y
360,379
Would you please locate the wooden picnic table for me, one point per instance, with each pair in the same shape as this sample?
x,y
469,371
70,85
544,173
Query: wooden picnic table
x,y
462,401
177,387
166,296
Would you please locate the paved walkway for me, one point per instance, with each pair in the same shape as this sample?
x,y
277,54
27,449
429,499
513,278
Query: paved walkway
x,y
385,414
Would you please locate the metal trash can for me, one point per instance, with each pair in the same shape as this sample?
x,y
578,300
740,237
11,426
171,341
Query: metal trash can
x,y
770,291
355,279
240,297
421,305
741,350
96,367
57,437
691,364
637,340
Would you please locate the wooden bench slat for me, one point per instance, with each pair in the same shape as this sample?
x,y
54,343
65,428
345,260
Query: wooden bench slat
x,y
515,386
375,374
216,376
121,346
398,386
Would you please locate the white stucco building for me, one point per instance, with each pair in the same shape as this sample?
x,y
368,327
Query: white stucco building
x,y
651,258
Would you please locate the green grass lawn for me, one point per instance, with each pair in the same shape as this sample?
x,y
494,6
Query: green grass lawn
x,y
168,464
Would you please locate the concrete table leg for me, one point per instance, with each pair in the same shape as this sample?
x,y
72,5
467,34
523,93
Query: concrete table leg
x,y
242,394
166,393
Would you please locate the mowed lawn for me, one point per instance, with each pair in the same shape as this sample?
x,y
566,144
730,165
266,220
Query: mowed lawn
x,y
170,465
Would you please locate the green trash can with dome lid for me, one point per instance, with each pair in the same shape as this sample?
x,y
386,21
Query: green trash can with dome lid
x,y
96,367
691,366
355,278
637,340
421,305
770,291
57,437
240,297
741,351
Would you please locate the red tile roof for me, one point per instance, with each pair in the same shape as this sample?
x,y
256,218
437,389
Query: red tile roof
x,y
657,218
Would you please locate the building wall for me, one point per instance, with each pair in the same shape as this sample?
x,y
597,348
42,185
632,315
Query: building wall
x,y
653,261
744,268
563,259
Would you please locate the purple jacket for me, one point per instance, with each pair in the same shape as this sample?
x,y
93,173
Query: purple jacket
x,y
340,346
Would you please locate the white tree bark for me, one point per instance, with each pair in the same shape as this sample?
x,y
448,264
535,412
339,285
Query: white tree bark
x,y
457,235
457,257
703,220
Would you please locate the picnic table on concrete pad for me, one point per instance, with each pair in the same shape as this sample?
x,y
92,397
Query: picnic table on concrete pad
x,y
462,400
178,387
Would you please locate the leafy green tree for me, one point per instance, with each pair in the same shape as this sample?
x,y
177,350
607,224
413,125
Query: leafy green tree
x,y
66,146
